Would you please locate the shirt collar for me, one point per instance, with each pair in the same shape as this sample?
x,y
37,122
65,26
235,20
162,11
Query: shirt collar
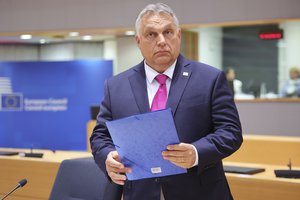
x,y
151,73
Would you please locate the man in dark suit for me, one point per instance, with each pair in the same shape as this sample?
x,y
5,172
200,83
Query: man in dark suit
x,y
204,112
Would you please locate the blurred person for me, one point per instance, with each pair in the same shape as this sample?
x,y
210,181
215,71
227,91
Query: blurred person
x,y
235,84
203,109
291,87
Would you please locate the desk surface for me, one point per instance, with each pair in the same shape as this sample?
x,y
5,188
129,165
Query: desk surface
x,y
40,172
265,100
49,156
270,150
263,185
268,174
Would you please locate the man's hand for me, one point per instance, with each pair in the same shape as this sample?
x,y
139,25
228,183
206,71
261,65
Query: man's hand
x,y
115,169
182,155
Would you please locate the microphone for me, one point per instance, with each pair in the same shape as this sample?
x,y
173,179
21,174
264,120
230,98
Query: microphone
x,y
20,184
31,154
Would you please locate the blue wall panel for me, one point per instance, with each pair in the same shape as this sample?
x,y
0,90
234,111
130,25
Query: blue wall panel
x,y
47,104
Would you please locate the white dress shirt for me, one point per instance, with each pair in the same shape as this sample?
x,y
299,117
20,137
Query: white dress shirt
x,y
153,84
152,87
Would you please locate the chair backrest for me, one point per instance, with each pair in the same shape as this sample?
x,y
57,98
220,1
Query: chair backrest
x,y
81,179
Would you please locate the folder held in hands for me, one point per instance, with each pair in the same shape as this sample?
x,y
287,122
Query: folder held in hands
x,y
140,140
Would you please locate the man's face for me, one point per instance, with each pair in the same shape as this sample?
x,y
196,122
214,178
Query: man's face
x,y
159,40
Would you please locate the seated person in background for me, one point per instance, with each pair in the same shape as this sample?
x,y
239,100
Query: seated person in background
x,y
291,87
235,85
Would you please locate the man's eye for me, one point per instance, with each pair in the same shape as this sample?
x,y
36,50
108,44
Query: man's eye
x,y
168,33
150,35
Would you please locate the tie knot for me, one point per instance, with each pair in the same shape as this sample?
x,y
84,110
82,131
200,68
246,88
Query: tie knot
x,y
161,78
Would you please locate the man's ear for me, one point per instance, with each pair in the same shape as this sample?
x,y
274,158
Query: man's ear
x,y
137,40
179,33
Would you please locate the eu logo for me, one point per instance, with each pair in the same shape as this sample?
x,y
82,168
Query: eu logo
x,y
11,102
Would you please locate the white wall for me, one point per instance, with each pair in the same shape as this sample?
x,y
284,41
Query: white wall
x,y
122,50
72,51
88,50
210,46
52,52
18,52
128,54
57,52
288,47
110,52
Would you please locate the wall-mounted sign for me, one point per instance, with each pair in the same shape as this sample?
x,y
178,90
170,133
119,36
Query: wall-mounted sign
x,y
46,105
271,34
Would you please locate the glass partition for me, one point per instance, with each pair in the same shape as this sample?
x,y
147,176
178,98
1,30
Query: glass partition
x,y
261,57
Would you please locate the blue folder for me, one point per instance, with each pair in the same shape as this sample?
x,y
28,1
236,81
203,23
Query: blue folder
x,y
140,140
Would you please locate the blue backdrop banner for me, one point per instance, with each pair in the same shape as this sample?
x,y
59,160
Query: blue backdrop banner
x,y
46,105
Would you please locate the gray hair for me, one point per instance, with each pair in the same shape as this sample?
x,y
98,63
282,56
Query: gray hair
x,y
156,9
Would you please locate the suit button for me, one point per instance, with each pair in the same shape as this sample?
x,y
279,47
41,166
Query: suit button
x,y
157,180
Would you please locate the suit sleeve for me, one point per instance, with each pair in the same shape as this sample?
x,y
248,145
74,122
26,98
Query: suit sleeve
x,y
101,142
226,135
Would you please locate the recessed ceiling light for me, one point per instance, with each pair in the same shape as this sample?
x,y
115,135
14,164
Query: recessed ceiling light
x,y
87,37
26,37
73,34
129,33
43,41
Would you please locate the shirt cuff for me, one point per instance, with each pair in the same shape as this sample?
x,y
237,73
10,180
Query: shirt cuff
x,y
197,159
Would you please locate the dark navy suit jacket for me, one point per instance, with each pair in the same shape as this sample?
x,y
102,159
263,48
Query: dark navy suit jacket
x,y
205,115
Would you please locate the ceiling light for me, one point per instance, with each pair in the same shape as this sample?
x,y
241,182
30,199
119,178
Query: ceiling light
x,y
73,34
43,41
130,33
87,37
26,37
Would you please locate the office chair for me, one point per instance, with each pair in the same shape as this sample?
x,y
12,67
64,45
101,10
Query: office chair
x,y
81,179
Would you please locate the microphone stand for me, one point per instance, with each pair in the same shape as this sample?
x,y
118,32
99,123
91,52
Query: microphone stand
x,y
11,192
20,184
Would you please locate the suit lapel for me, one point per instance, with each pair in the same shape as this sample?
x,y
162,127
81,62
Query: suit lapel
x,y
180,79
139,88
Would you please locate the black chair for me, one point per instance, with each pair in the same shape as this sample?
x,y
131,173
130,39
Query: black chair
x,y
81,179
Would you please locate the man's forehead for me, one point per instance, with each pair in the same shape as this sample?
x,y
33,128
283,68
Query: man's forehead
x,y
157,17
153,20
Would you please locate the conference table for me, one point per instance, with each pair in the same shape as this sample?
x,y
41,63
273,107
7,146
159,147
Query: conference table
x,y
41,173
263,185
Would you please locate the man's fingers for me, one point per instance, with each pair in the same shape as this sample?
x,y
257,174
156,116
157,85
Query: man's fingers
x,y
119,170
184,162
114,164
178,147
113,160
119,182
118,175
115,155
115,169
180,159
173,153
179,150
182,155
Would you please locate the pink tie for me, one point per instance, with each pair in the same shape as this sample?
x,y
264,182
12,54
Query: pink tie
x,y
160,98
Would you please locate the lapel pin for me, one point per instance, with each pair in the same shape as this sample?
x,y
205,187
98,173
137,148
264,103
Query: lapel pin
x,y
185,74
